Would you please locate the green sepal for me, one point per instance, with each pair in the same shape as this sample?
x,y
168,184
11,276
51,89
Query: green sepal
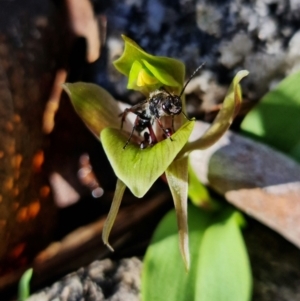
x,y
112,214
96,107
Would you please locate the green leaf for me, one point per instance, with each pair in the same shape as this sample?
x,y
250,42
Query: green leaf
x,y
24,285
224,118
220,269
275,119
224,268
133,52
140,168
115,205
295,151
96,107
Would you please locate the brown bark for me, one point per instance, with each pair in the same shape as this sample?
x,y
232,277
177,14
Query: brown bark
x,y
27,66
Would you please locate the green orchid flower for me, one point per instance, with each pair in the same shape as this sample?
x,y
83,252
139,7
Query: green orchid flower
x,y
138,168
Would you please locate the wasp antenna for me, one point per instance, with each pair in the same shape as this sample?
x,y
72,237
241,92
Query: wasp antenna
x,y
185,116
193,74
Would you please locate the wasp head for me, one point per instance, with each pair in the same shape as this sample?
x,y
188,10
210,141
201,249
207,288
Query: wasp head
x,y
172,105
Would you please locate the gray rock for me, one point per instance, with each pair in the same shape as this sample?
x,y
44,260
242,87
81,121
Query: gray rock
x,y
100,281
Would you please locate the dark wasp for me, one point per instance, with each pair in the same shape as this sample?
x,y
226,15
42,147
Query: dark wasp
x,y
160,103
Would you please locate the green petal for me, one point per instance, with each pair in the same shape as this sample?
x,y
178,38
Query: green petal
x,y
275,119
133,74
96,107
145,79
177,176
115,205
164,77
141,79
224,118
140,168
133,52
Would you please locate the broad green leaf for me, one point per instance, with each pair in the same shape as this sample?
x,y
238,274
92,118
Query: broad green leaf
x,y
115,205
224,118
295,151
133,52
140,168
164,276
177,176
275,120
24,285
96,107
220,267
224,272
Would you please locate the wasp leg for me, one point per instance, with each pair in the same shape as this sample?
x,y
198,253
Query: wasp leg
x,y
186,116
123,115
173,124
168,132
146,142
139,125
125,112
134,109
152,134
130,136
149,138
